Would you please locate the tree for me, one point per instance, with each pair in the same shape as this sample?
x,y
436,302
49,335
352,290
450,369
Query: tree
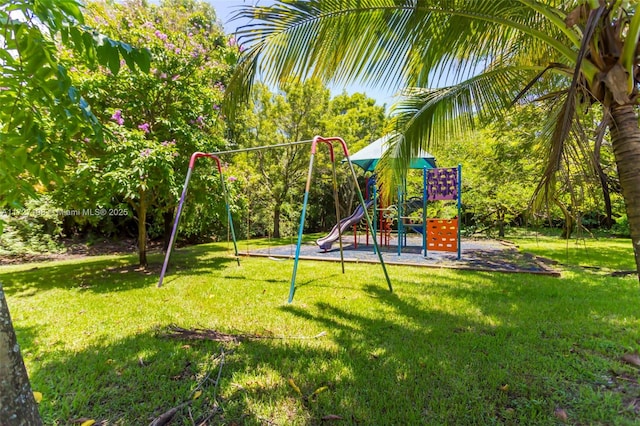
x,y
156,120
42,117
359,121
486,56
296,113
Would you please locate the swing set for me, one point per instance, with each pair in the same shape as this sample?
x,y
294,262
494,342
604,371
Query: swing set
x,y
329,142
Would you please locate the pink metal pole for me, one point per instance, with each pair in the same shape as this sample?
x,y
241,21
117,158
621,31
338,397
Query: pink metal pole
x,y
192,163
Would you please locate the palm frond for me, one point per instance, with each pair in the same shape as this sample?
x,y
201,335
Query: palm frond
x,y
568,118
428,115
389,43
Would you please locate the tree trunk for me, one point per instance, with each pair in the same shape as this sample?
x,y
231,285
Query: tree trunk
x,y
500,215
17,405
167,217
142,233
276,220
625,139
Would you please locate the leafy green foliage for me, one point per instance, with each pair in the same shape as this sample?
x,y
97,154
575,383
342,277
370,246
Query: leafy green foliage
x,y
157,119
273,180
33,229
464,60
42,115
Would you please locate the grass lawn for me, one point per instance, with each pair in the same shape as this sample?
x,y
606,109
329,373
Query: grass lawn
x,y
447,347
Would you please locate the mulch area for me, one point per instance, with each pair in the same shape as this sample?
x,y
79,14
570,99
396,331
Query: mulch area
x,y
476,254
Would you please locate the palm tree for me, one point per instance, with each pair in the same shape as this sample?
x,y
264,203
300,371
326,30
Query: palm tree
x,y
573,55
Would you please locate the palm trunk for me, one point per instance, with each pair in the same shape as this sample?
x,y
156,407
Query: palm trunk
x,y
625,138
17,404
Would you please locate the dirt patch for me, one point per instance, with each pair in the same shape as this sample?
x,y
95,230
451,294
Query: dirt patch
x,y
73,249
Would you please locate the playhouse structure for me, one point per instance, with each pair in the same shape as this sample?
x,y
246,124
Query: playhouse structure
x,y
439,184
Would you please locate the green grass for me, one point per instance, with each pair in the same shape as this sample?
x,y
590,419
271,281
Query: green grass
x,y
447,347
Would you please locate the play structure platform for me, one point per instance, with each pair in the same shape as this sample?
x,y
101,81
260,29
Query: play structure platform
x,y
477,254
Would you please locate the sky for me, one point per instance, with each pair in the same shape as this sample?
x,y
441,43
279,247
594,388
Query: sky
x,y
226,8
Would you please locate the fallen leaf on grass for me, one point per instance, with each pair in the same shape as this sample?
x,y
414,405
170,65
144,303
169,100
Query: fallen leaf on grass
x,y
319,390
88,422
632,359
505,387
37,396
329,417
295,387
197,394
561,414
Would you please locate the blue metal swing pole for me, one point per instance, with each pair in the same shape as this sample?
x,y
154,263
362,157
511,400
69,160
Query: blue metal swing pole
x,y
302,218
459,208
400,225
424,211
374,229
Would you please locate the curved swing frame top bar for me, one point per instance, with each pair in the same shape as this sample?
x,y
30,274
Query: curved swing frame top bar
x,y
314,142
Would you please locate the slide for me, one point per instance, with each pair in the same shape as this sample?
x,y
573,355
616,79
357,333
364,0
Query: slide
x,y
325,243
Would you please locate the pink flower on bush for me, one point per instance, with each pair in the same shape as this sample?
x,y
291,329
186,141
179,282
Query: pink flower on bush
x,y
163,76
232,42
232,178
117,117
160,35
145,152
144,127
175,77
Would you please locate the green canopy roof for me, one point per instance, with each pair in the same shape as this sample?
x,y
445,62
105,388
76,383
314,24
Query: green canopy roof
x,y
367,158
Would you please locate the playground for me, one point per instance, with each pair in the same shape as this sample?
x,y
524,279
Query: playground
x,y
439,245
476,254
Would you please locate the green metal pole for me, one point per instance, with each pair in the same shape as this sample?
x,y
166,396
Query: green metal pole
x,y
366,215
229,217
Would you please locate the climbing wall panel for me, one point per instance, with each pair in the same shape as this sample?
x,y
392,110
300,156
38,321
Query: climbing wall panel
x,y
442,184
442,234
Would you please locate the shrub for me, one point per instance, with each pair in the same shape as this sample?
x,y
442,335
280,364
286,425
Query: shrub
x,y
34,229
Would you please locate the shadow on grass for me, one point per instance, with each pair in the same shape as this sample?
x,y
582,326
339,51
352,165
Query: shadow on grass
x,y
116,273
463,349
